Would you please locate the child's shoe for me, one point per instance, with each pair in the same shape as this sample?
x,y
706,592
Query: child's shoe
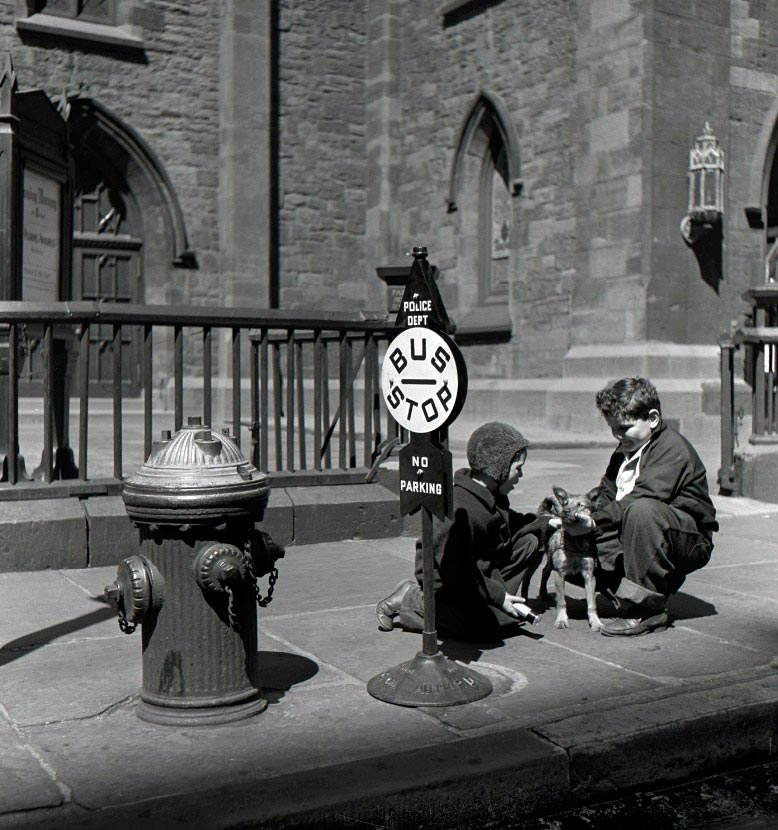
x,y
647,622
389,607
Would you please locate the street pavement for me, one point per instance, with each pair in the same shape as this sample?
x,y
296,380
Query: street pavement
x,y
574,716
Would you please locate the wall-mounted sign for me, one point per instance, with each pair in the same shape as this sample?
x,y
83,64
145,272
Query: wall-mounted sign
x,y
40,237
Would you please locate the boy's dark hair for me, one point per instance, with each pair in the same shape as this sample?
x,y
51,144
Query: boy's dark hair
x,y
628,399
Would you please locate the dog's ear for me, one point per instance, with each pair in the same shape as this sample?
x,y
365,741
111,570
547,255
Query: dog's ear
x,y
593,495
561,494
550,504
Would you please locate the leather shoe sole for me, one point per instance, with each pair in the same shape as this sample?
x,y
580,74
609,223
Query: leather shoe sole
x,y
389,607
634,628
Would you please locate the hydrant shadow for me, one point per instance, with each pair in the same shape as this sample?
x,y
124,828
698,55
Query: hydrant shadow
x,y
279,671
43,636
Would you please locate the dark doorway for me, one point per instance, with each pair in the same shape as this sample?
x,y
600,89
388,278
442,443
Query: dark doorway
x,y
106,268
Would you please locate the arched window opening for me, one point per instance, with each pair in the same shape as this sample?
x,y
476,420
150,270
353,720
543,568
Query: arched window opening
x,y
772,203
483,186
495,212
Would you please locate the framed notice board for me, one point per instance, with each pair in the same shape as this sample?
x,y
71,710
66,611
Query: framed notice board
x,y
36,200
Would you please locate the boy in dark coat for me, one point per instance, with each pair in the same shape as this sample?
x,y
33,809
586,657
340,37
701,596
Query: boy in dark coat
x,y
482,553
655,518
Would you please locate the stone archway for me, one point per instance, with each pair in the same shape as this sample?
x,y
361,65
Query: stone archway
x,y
129,234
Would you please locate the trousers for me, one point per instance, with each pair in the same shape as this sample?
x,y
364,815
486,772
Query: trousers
x,y
649,556
469,616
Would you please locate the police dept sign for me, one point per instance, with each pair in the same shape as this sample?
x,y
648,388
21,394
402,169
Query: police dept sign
x,y
420,379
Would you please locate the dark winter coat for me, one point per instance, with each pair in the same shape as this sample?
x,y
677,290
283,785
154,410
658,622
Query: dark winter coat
x,y
670,472
469,546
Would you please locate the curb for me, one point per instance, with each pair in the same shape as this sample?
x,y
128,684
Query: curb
x,y
95,531
473,782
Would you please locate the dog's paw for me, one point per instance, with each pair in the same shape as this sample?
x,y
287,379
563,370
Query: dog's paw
x,y
596,624
562,623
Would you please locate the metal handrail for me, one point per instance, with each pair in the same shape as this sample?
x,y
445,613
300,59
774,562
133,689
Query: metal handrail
x,y
288,352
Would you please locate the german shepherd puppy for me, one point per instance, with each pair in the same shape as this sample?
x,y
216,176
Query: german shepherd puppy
x,y
571,550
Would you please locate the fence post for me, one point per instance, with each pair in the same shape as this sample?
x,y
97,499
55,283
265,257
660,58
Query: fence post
x,y
727,479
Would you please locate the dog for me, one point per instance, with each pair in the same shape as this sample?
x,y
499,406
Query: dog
x,y
571,549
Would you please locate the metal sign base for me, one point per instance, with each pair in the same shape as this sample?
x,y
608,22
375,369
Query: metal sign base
x,y
429,680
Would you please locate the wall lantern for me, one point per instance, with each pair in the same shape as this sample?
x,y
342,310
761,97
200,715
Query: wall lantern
x,y
702,226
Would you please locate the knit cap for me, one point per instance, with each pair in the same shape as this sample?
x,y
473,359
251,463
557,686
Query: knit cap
x,y
492,448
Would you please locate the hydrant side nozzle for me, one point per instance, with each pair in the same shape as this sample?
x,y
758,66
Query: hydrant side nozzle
x,y
219,566
133,594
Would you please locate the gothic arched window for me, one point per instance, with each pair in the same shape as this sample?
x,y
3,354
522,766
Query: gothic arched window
x,y
484,181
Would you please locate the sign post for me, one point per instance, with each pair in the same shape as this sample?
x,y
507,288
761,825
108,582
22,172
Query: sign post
x,y
424,383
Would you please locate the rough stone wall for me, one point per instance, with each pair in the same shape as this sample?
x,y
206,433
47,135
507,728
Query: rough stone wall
x,y
612,127
323,174
523,53
605,96
690,79
753,133
170,98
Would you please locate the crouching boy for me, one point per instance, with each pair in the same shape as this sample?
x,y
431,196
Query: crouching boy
x,y
655,518
482,553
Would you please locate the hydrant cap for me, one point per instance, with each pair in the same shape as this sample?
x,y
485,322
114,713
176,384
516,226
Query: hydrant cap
x,y
195,476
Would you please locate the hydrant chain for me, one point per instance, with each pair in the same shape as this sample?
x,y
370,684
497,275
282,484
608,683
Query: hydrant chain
x,y
232,612
127,627
262,602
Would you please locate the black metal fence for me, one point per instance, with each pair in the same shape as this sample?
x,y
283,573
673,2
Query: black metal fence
x,y
758,338
314,412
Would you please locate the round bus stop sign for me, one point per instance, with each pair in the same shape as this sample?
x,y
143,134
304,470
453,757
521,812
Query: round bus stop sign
x,y
423,379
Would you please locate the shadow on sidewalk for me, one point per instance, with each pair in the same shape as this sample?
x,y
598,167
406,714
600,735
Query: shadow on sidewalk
x,y
280,671
36,639
686,607
469,651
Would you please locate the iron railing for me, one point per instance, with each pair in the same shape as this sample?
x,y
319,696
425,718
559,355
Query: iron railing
x,y
312,380
759,339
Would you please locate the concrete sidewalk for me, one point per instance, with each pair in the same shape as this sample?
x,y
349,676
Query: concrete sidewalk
x,y
574,716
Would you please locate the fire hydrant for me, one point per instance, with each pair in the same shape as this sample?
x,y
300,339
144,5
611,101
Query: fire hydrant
x,y
193,585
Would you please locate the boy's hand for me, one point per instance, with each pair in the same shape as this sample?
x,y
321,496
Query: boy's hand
x,y
507,606
515,607
555,522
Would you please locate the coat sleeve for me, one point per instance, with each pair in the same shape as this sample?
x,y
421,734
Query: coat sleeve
x,y
522,524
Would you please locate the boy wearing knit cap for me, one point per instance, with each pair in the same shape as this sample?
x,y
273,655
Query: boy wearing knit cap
x,y
482,553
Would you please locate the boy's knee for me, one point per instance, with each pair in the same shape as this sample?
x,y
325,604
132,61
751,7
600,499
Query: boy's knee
x,y
643,511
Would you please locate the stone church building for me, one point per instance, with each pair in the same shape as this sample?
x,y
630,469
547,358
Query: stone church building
x,y
274,153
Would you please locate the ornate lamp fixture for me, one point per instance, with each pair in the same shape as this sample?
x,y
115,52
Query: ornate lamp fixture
x,y
702,226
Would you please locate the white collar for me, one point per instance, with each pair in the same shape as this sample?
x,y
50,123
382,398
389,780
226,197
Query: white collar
x,y
635,455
